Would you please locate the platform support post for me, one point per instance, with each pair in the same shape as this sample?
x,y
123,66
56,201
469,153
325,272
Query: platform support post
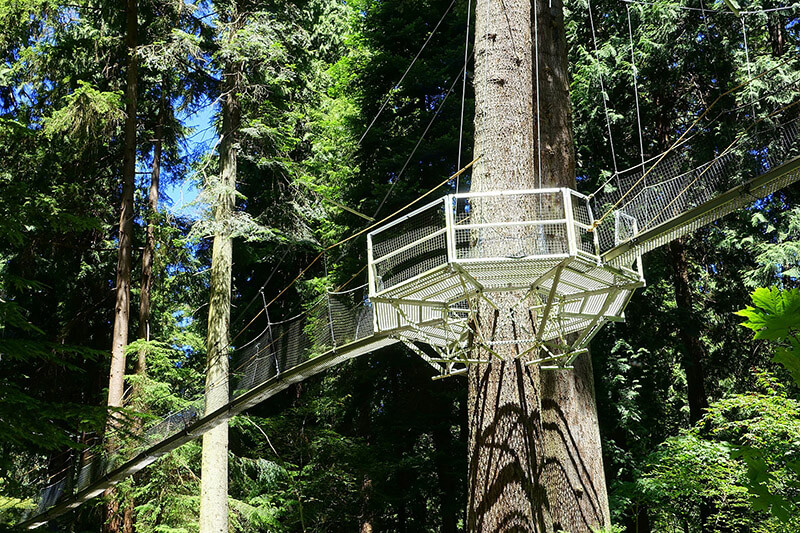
x,y
450,225
568,215
371,267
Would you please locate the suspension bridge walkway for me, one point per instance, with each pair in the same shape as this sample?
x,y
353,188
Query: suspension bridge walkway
x,y
575,258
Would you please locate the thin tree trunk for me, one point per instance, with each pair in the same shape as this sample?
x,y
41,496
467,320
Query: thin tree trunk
x,y
693,350
214,480
504,406
119,339
777,38
144,298
150,238
366,518
573,473
642,520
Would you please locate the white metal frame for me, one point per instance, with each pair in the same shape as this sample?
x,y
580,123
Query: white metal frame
x,y
577,291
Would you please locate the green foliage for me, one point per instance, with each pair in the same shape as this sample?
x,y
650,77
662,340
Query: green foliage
x,y
778,255
87,113
776,317
170,493
737,469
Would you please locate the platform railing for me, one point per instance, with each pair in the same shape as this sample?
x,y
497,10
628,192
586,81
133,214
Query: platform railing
x,y
474,227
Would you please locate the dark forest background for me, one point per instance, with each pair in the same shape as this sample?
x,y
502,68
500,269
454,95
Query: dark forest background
x,y
700,426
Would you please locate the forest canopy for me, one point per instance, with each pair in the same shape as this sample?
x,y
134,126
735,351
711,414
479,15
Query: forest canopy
x,y
138,139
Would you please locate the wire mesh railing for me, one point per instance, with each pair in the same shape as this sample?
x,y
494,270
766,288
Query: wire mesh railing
x,y
335,319
479,228
656,193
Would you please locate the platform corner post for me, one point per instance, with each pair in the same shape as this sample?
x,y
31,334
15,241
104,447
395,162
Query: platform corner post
x,y
371,267
450,227
570,221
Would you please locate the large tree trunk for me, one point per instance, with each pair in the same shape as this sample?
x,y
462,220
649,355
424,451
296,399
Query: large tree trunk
x,y
688,333
573,473
535,455
214,480
504,407
119,339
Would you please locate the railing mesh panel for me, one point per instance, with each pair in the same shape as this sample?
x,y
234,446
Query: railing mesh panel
x,y
414,245
668,188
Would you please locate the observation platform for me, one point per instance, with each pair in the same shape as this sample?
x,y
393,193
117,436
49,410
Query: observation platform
x,y
431,270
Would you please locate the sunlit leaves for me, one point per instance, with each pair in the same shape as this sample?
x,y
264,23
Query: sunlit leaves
x,y
87,113
776,314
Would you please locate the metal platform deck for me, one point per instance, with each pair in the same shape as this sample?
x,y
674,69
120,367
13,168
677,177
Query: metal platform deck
x,y
429,270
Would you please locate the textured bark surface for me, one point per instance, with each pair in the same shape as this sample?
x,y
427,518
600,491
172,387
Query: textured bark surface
x,y
365,521
573,472
535,457
689,334
114,521
123,288
504,409
505,490
214,473
777,38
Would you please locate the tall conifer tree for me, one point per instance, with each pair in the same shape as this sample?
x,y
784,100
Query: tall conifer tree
x,y
214,481
119,339
528,431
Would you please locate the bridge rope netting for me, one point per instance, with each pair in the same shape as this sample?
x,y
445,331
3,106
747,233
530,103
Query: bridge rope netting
x,y
703,162
700,166
334,319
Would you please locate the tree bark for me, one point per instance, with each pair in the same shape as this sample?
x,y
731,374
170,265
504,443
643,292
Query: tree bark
x,y
693,350
535,456
214,478
119,338
366,518
123,289
504,404
777,37
150,238
573,473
